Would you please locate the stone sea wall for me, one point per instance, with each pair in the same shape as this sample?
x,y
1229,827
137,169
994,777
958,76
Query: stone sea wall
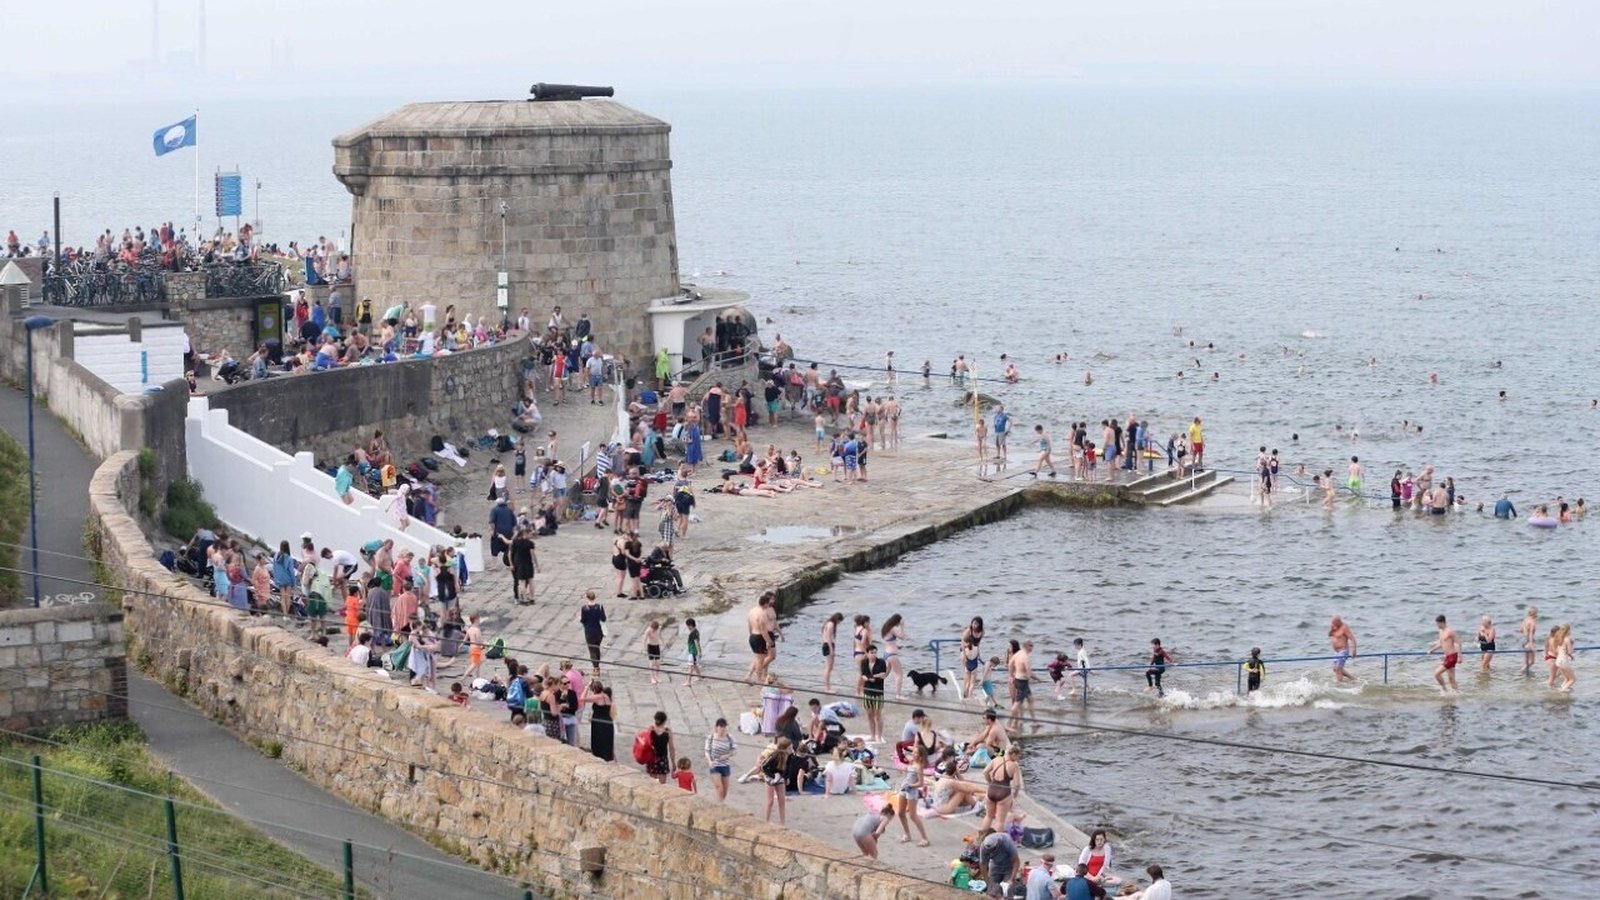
x,y
507,799
328,413
76,668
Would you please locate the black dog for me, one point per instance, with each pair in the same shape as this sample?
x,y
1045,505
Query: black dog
x,y
927,679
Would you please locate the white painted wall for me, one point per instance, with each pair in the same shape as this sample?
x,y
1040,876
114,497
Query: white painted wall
x,y
120,362
261,491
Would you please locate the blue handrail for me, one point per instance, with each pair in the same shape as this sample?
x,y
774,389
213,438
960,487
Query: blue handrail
x,y
936,644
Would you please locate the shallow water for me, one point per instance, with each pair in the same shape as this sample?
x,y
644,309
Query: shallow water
x,y
1214,585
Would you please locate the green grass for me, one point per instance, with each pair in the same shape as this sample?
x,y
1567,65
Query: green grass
x,y
186,510
106,827
13,514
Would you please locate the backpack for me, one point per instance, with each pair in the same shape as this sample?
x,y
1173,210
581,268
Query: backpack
x,y
1038,838
644,748
502,444
497,648
641,486
437,443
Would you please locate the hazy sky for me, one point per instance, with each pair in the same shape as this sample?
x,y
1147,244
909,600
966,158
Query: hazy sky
x,y
426,48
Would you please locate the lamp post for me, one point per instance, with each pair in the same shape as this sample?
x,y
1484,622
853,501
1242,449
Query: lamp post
x,y
32,324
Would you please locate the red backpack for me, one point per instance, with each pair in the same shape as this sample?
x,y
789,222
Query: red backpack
x,y
644,748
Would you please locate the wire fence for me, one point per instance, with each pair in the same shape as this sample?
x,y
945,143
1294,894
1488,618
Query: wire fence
x,y
99,824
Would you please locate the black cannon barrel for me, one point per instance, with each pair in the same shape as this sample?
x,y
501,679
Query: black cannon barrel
x,y
543,91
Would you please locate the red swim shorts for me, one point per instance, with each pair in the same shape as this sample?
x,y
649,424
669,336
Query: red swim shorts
x,y
1451,659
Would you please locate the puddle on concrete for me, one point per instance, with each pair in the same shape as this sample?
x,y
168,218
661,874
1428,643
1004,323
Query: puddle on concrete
x,y
796,534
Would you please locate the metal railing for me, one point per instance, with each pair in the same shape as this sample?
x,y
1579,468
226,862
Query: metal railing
x,y
936,645
256,280
100,290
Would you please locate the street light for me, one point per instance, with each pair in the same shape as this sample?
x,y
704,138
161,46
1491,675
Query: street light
x,y
32,324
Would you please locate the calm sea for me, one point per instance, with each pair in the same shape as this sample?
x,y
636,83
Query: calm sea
x,y
1304,234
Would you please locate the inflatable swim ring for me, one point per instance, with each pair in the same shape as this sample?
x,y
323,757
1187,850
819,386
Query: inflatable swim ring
x,y
1542,522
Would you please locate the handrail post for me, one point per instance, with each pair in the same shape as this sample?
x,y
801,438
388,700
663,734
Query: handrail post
x,y
349,871
1386,668
38,825
172,851
1085,673
1238,685
935,645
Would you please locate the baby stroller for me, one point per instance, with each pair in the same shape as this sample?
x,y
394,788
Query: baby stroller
x,y
660,578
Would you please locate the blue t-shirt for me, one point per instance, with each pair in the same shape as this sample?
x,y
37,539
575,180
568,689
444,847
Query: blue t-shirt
x,y
1504,510
1002,423
342,481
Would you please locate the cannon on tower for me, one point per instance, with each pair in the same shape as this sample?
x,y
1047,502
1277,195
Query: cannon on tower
x,y
543,91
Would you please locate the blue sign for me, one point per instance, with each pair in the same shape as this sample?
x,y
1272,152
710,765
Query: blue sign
x,y
230,195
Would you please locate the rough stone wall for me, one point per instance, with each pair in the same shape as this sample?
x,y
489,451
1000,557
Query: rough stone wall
x,y
507,799
75,662
328,413
183,287
213,326
589,225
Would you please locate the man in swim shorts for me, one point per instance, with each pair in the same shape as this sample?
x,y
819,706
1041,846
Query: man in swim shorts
x,y
1354,482
1197,442
1344,647
1021,672
756,623
1449,643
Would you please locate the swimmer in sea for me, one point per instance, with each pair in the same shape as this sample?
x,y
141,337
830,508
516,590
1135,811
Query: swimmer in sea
x,y
1433,377
1327,489
1354,482
1448,643
1486,642
1344,648
1088,378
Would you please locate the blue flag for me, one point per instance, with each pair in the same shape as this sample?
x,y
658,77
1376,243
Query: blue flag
x,y
174,137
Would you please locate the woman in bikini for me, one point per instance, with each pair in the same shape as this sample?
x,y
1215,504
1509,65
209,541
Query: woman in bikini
x,y
1564,653
1551,643
1005,782
894,632
830,631
861,637
1529,630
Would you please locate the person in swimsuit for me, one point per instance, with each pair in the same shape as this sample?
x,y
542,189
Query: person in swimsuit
x,y
1448,643
652,649
1344,648
1042,443
1486,641
1354,481
893,633
1563,660
1020,669
869,827
971,658
1005,782
1159,660
830,629
756,625
1529,632
861,637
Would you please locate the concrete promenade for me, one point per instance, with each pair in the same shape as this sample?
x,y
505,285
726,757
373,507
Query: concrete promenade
x,y
742,546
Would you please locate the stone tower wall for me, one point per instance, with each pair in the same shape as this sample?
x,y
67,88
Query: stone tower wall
x,y
589,224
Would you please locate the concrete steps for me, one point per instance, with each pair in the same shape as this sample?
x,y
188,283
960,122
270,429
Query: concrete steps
x,y
1165,490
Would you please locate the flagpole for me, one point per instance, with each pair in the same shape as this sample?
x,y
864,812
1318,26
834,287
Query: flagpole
x,y
197,176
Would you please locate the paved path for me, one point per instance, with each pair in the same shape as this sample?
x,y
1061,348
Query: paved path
x,y
389,861
63,471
